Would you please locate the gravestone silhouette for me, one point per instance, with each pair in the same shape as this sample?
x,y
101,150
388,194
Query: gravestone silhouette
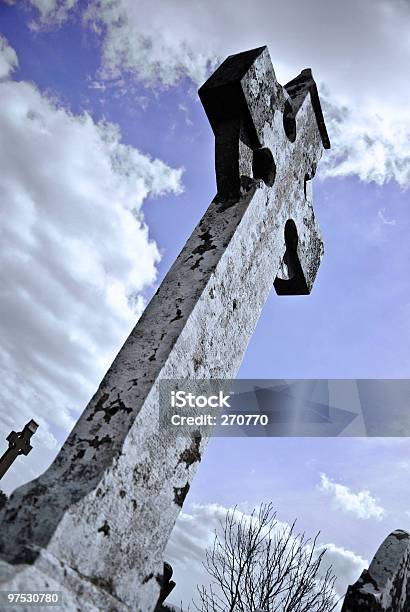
x,y
19,444
95,525
385,586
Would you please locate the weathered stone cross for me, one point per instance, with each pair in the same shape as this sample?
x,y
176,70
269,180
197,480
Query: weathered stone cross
x,y
96,523
19,444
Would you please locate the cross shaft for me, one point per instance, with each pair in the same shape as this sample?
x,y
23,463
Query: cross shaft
x,y
96,523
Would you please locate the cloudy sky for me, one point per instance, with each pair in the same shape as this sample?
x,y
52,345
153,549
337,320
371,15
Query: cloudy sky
x,y
106,162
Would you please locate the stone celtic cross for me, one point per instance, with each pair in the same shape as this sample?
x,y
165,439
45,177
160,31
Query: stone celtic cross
x,y
96,523
19,444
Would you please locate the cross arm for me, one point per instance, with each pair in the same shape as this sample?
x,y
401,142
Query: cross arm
x,y
12,437
264,131
239,99
298,88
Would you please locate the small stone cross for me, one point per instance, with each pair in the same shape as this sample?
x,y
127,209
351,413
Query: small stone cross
x,y
19,444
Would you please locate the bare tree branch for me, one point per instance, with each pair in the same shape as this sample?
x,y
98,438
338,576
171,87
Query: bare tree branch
x,y
255,564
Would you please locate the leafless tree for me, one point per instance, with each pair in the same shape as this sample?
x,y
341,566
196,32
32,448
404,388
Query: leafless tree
x,y
255,564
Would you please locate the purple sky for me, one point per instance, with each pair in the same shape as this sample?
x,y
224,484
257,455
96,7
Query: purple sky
x,y
354,325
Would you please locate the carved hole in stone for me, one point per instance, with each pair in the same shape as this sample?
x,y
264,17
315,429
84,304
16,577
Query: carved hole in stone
x,y
291,235
306,179
291,241
289,122
309,176
263,166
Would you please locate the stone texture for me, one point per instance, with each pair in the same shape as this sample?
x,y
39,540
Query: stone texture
x,y
3,499
96,523
385,586
166,587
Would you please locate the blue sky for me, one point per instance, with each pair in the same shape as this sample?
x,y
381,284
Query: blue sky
x,y
142,76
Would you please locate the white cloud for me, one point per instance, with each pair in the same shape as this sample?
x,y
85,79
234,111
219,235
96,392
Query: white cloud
x,y
75,257
346,565
53,12
359,53
361,504
8,58
371,142
194,533
382,216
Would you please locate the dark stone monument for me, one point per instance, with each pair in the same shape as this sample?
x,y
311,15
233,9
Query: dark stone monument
x,y
19,444
385,586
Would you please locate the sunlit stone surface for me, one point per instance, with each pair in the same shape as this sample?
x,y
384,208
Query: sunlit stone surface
x,y
96,523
